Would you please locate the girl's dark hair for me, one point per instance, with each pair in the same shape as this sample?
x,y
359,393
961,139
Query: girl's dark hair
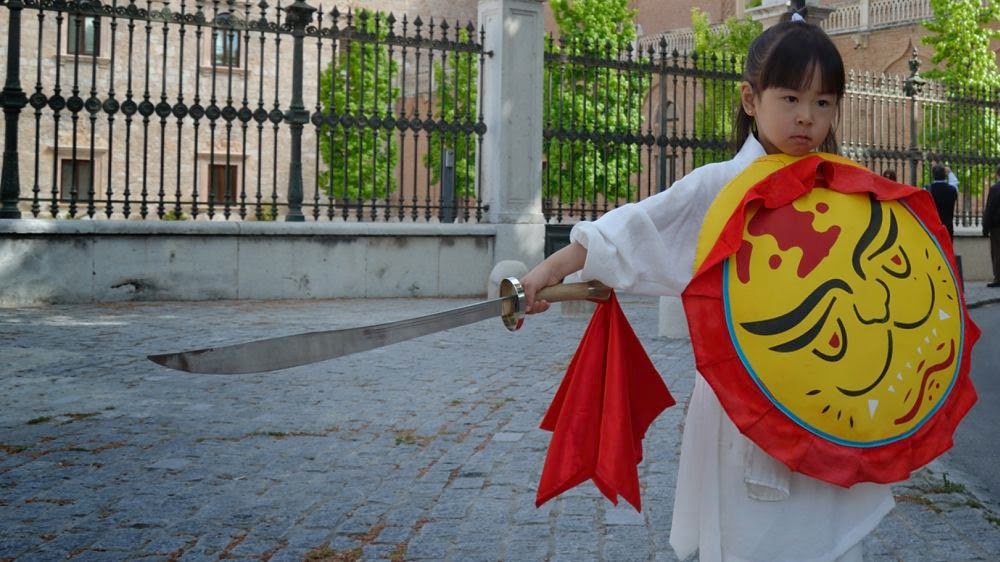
x,y
785,56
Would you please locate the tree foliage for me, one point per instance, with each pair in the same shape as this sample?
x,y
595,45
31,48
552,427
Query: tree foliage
x,y
961,31
719,49
593,95
733,37
962,128
595,21
357,88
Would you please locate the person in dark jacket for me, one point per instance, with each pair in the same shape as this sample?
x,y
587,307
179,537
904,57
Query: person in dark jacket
x,y
991,228
944,196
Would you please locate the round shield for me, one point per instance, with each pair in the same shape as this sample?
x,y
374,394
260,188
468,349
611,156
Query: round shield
x,y
826,314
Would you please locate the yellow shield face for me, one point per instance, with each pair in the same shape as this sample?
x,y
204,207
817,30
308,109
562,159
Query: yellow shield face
x,y
846,314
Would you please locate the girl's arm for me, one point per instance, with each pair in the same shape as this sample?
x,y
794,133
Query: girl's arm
x,y
550,272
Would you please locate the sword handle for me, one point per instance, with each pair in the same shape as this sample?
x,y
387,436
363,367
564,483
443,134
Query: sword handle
x,y
593,290
513,309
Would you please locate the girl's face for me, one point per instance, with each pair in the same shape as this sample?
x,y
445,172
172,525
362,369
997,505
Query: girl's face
x,y
792,121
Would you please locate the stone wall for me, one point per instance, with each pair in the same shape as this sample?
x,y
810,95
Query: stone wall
x,y
46,262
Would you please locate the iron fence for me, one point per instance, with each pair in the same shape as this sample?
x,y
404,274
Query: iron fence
x,y
198,110
684,117
622,124
192,111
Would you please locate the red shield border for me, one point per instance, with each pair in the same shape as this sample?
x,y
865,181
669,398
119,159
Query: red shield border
x,y
747,406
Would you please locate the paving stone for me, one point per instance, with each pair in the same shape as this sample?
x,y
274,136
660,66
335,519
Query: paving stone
x,y
570,541
623,514
14,546
508,437
522,550
571,523
427,548
480,553
121,539
455,509
444,458
626,543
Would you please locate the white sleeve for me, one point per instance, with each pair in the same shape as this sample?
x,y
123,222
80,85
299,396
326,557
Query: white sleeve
x,y
648,247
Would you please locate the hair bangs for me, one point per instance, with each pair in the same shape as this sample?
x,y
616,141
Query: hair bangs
x,y
793,59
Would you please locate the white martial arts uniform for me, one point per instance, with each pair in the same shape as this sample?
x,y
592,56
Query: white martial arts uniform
x,y
734,502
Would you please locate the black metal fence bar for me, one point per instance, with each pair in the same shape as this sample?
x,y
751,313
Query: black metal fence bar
x,y
196,111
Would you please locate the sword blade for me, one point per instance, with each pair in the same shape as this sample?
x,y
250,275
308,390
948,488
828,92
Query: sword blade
x,y
300,349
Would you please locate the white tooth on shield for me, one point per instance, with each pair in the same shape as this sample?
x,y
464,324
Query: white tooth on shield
x,y
872,404
891,388
942,315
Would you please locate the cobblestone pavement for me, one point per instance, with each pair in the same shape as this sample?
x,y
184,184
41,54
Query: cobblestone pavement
x,y
425,450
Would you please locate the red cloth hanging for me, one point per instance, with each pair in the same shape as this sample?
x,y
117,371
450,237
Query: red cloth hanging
x,y
610,395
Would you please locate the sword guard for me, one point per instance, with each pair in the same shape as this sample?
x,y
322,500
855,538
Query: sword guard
x,y
513,307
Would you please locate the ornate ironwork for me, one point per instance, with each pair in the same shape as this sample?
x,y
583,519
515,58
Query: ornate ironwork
x,y
905,124
159,119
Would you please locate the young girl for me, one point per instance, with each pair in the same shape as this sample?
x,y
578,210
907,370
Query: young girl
x,y
733,502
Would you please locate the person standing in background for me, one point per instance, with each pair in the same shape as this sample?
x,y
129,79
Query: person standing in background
x,y
944,196
991,228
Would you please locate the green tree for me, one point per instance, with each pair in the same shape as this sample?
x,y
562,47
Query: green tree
x,y
961,31
360,159
593,94
963,128
719,52
456,93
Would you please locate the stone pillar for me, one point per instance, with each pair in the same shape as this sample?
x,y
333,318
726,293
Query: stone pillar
x,y
512,110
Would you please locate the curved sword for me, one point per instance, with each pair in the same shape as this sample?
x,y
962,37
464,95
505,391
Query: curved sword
x,y
283,352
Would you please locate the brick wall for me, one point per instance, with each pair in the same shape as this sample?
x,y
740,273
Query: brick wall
x,y
886,50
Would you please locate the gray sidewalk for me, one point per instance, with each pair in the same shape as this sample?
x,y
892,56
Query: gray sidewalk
x,y
426,450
